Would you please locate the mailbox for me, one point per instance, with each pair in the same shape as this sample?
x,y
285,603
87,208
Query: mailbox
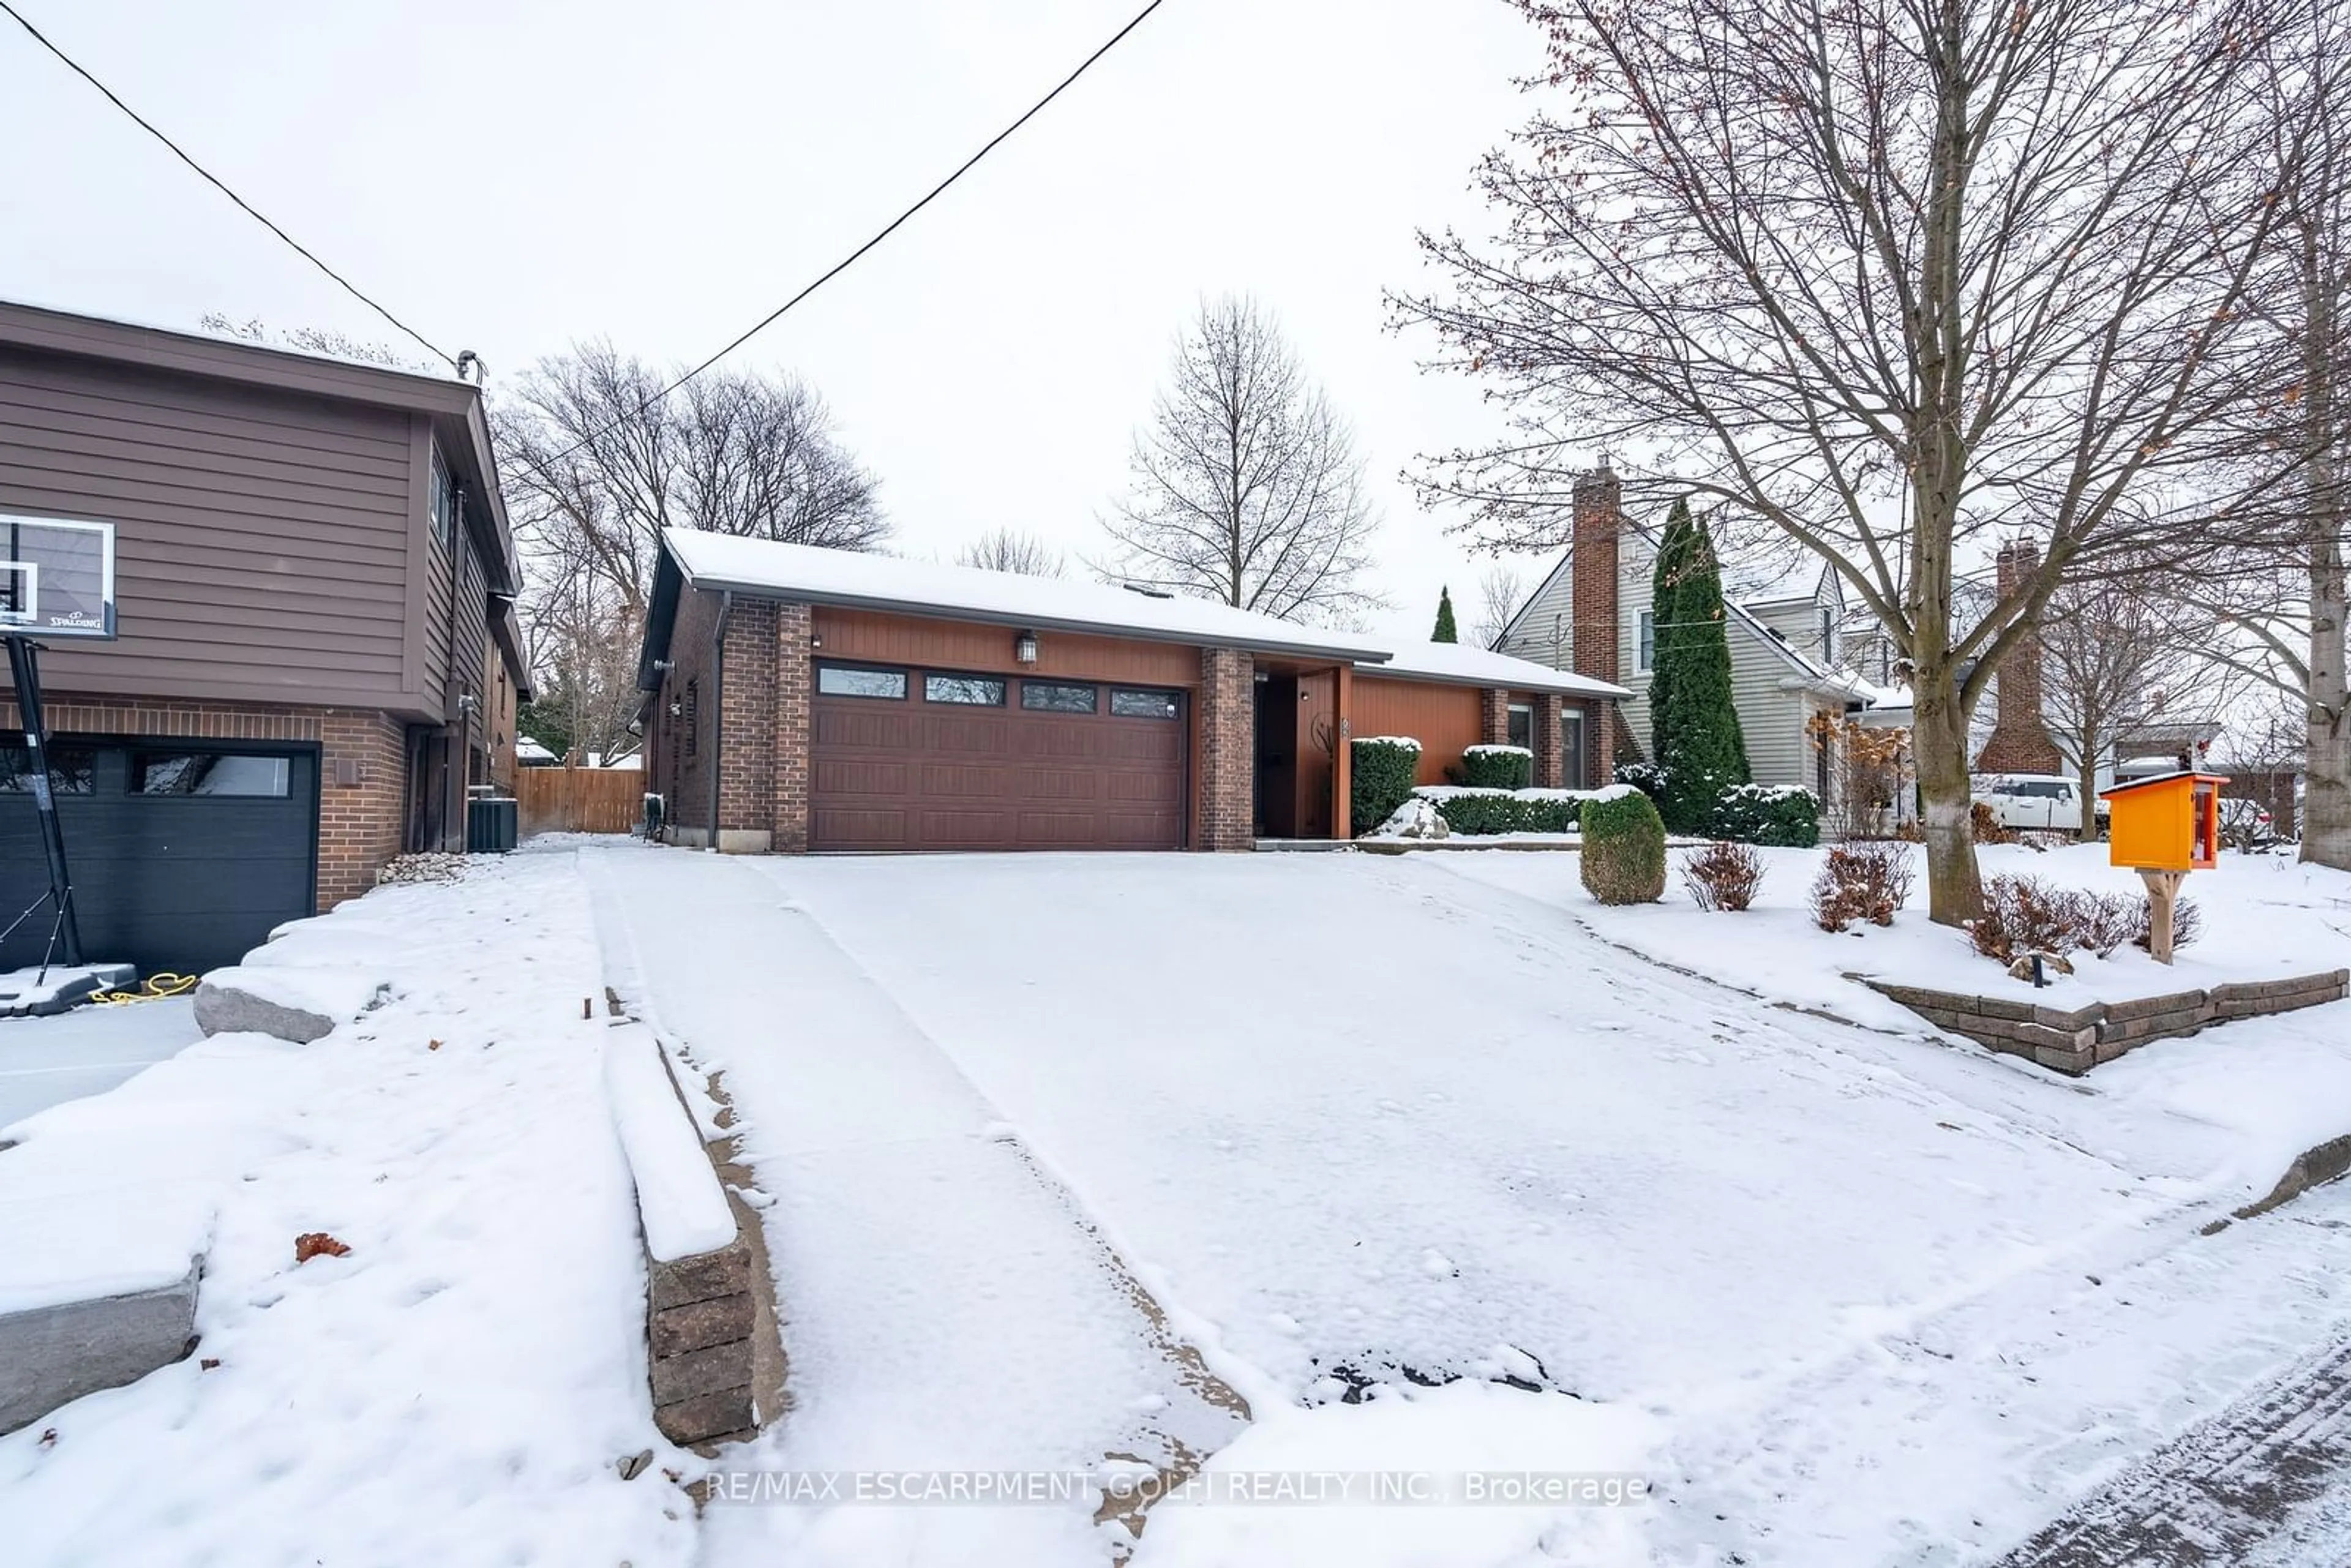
x,y
2170,822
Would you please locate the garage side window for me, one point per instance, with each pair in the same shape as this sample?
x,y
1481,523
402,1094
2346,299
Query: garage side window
x,y
842,681
978,691
73,769
1056,697
1142,705
207,773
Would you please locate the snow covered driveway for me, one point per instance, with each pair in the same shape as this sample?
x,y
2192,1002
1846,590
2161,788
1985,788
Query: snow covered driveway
x,y
1354,1118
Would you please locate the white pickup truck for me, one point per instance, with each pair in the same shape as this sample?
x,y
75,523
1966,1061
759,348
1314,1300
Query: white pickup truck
x,y
2035,801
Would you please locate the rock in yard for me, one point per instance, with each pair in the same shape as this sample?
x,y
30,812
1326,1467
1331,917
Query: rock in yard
x,y
297,1005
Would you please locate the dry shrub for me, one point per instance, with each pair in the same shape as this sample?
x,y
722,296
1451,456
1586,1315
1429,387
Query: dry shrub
x,y
1723,875
1985,825
2024,914
1866,881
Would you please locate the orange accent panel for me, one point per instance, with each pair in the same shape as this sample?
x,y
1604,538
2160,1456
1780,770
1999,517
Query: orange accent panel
x,y
1444,719
954,645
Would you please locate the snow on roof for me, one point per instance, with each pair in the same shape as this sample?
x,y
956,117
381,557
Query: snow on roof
x,y
927,588
528,750
1464,662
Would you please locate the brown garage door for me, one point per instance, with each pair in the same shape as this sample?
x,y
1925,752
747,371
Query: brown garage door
x,y
922,759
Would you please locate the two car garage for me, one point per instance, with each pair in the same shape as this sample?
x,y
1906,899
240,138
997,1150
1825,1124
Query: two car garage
x,y
905,759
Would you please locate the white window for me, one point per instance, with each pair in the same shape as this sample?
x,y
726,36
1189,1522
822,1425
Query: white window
x,y
443,500
1828,636
1649,656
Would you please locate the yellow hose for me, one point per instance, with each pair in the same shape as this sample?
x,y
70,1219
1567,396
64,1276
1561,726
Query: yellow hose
x,y
157,986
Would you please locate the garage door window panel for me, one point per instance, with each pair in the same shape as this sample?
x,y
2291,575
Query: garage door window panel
x,y
850,681
970,690
1127,703
73,769
217,774
1058,696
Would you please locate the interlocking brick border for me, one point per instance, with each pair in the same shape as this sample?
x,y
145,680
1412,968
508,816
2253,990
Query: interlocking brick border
x,y
2073,1041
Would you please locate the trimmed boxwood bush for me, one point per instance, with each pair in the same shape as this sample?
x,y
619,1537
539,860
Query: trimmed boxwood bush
x,y
1624,849
1498,767
1502,811
1646,777
1384,769
1769,814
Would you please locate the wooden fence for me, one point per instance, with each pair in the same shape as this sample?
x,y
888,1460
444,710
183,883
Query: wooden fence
x,y
580,800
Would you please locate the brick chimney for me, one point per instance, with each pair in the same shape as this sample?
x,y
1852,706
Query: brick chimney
x,y
1599,522
2019,741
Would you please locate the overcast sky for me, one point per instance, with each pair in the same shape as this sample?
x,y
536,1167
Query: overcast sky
x,y
514,178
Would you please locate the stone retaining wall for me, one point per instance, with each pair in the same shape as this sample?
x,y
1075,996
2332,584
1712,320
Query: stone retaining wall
x,y
2073,1041
699,1316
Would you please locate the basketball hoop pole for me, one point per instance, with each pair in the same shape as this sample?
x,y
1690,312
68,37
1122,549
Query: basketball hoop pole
x,y
25,673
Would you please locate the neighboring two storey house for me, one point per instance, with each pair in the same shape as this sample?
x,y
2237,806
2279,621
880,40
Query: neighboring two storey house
x,y
1592,615
313,574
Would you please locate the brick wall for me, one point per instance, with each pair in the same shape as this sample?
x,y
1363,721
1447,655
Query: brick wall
x,y
1600,720
747,695
1227,728
794,679
1550,754
361,823
1493,717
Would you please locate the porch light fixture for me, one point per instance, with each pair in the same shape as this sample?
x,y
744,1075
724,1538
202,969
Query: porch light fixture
x,y
1024,648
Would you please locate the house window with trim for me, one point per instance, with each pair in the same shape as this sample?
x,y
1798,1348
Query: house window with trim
x,y
441,500
1522,725
1649,653
1828,635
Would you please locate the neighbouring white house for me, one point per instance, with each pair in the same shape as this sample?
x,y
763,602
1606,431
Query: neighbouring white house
x,y
1592,615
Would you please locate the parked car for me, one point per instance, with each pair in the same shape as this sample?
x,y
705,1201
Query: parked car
x,y
2033,802
2246,825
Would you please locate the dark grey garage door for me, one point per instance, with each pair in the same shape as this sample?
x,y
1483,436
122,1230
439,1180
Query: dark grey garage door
x,y
925,759
183,856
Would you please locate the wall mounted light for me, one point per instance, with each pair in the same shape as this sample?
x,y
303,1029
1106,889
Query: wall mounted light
x,y
1024,648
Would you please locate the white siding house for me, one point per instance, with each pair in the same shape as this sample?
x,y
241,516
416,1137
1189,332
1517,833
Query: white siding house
x,y
1785,655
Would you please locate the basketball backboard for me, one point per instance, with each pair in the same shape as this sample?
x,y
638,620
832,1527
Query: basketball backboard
x,y
57,577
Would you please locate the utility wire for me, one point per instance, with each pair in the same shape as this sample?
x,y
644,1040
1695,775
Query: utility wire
x,y
850,260
250,210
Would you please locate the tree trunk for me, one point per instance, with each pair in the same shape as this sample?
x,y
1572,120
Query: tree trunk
x,y
2326,799
1939,733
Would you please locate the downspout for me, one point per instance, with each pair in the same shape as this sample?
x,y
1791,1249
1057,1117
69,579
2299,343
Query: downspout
x,y
719,705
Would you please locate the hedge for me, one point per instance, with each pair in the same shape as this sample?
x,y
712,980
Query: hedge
x,y
1384,769
1498,767
1774,814
1480,812
1624,849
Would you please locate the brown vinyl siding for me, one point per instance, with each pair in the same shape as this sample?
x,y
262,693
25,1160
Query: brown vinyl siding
x,y
262,537
1444,719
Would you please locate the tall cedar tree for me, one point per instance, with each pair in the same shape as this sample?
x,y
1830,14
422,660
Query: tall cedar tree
x,y
1693,724
1445,631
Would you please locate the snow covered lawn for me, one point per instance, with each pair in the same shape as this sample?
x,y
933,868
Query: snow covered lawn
x,y
454,1390
1367,1120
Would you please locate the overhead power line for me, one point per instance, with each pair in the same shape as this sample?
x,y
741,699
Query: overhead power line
x,y
845,263
210,178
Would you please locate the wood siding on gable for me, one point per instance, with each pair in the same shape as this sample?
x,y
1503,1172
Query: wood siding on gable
x,y
262,538
970,645
1444,719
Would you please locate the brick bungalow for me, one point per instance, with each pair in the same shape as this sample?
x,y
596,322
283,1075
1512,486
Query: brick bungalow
x,y
812,699
314,654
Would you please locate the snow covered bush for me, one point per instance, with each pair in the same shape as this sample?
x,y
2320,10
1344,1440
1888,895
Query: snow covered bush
x,y
1486,811
1722,876
1498,767
1648,778
1383,769
1983,823
1866,881
1416,819
1624,849
1784,815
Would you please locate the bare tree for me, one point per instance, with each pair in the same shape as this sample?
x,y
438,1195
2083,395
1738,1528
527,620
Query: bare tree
x,y
1881,278
1246,486
1009,550
2113,650
1501,589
